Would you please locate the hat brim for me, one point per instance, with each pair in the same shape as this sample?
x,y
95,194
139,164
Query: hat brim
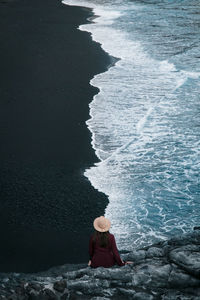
x,y
106,228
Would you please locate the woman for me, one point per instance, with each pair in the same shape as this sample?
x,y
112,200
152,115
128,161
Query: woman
x,y
102,247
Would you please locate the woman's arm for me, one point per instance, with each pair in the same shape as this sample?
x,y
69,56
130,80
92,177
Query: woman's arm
x,y
89,263
116,253
91,247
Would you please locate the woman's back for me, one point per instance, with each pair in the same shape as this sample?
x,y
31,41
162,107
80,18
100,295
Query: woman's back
x,y
103,250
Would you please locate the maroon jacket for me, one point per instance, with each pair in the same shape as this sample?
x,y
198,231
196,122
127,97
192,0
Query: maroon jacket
x,y
104,257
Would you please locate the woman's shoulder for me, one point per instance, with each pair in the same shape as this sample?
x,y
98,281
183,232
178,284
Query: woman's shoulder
x,y
111,236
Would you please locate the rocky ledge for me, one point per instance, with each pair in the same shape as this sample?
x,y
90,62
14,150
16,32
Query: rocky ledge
x,y
166,270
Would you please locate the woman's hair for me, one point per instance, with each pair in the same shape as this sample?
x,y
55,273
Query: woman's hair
x,y
102,238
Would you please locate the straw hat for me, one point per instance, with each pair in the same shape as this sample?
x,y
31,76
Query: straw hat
x,y
102,224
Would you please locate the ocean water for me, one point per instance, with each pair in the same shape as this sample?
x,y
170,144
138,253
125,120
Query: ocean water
x,y
145,120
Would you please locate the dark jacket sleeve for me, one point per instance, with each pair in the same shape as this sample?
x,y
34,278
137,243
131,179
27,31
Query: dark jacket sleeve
x,y
91,247
116,253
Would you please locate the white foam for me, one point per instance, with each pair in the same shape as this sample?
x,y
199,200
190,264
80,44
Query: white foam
x,y
193,75
78,3
166,66
103,16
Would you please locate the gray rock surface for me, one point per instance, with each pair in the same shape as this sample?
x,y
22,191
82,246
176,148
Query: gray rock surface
x,y
166,270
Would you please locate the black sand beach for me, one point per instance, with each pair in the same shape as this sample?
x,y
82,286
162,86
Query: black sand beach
x,y
47,206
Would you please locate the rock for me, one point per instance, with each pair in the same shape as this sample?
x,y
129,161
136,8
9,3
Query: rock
x,y
100,298
126,292
196,228
90,287
70,275
60,286
121,274
47,294
142,296
102,273
179,295
33,295
187,258
179,279
136,256
154,252
151,275
185,239
65,296
34,286
20,291
166,270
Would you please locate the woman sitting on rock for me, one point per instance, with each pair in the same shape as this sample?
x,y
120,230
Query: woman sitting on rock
x,y
102,247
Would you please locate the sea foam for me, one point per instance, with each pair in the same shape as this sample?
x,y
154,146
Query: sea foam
x,y
141,127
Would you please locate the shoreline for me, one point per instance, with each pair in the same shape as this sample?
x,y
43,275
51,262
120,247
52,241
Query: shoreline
x,y
47,64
